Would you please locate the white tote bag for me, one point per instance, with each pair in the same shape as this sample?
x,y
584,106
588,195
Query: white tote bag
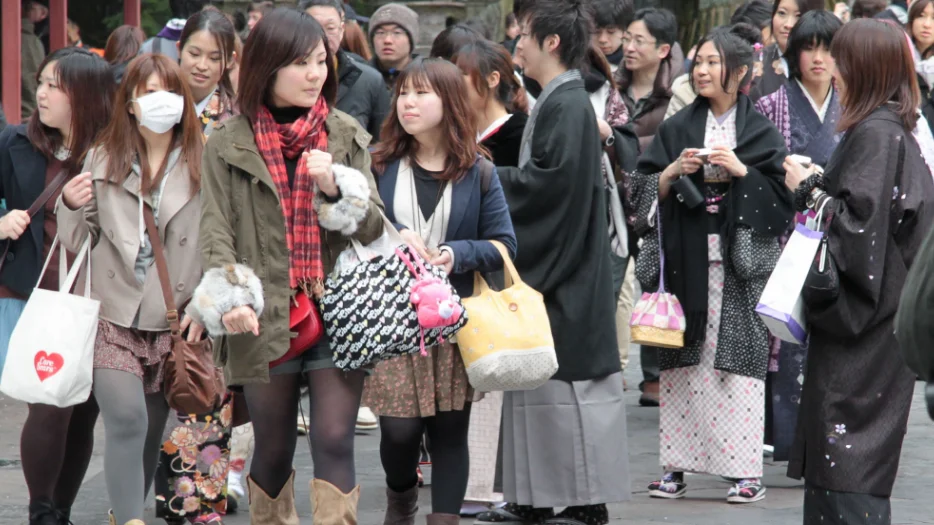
x,y
51,355
781,307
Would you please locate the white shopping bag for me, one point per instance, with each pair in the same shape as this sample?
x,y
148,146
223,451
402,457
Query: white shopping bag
x,y
781,307
51,353
384,246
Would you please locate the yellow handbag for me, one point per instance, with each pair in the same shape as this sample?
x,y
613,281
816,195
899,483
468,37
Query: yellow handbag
x,y
507,343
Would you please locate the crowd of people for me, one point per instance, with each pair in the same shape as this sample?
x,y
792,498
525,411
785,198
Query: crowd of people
x,y
247,155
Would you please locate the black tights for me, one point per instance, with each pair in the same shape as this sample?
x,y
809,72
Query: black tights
x,y
334,399
447,437
56,446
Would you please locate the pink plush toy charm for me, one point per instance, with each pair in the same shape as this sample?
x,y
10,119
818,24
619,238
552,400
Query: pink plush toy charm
x,y
432,298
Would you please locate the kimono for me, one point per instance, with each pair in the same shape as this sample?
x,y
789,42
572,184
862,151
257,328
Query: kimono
x,y
572,430
774,73
712,390
858,389
805,133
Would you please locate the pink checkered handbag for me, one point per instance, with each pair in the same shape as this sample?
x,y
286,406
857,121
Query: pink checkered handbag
x,y
658,319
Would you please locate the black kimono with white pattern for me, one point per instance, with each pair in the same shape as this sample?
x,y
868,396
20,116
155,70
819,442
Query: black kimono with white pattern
x,y
749,256
858,390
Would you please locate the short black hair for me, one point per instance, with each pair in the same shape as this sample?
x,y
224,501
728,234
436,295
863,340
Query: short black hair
x,y
187,8
735,45
661,23
814,29
612,13
338,5
754,12
570,20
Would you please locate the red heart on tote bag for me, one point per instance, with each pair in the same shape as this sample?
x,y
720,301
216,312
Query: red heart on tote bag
x,y
47,365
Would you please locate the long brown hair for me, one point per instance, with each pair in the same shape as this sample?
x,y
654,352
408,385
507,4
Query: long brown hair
x,y
479,60
915,12
355,40
457,128
888,77
88,82
123,44
122,141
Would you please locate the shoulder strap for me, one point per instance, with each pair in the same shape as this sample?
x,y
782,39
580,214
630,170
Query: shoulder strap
x,y
486,175
37,205
171,314
47,193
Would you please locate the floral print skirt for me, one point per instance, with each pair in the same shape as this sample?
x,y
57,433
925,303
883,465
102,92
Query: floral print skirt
x,y
418,386
193,465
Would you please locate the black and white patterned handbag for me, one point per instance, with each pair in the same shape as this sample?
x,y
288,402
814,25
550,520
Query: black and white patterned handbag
x,y
367,311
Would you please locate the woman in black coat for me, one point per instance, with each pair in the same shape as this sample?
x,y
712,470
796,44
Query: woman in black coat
x,y
74,104
857,391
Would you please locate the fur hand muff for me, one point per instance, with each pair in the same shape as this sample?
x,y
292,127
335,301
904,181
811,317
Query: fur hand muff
x,y
221,290
346,214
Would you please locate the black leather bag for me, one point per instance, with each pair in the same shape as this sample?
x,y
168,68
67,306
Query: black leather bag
x,y
687,193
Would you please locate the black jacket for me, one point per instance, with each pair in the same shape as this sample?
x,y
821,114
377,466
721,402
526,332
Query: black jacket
x,y
361,93
22,179
504,144
389,75
2,119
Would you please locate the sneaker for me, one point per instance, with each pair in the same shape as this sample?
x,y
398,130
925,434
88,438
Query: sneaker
x,y
302,425
669,487
746,491
366,420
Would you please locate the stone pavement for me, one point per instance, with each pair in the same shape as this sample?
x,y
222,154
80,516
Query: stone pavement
x,y
705,504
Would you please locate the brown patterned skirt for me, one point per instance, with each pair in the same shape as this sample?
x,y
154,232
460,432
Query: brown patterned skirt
x,y
418,386
133,351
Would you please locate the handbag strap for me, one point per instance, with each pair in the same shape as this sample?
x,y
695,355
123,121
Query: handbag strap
x,y
511,275
37,205
661,250
171,314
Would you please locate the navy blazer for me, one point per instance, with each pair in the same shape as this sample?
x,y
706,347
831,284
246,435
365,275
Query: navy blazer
x,y
476,217
22,179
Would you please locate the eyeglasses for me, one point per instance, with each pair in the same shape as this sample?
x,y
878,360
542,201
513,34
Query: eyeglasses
x,y
396,34
332,30
638,41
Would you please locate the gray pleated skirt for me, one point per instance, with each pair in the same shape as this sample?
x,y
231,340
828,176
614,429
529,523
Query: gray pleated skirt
x,y
565,444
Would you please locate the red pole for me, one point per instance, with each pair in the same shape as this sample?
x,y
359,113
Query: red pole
x,y
12,60
131,13
58,24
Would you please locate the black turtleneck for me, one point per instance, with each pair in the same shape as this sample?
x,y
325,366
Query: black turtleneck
x,y
287,116
616,57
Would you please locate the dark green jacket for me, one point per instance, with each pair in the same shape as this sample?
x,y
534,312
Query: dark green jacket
x,y
242,226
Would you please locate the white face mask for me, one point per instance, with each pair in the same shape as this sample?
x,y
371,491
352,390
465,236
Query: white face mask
x,y
160,111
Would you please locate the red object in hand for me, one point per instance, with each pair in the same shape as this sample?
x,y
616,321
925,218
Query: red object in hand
x,y
306,321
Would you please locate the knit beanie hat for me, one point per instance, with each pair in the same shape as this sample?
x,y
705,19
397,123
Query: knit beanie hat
x,y
397,14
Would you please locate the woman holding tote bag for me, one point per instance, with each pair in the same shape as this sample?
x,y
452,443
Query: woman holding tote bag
x,y
149,155
74,104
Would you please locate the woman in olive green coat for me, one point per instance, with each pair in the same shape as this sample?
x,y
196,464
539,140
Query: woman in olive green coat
x,y
286,184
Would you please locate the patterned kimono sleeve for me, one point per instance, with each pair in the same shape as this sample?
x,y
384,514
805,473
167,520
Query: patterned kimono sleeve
x,y
754,255
645,204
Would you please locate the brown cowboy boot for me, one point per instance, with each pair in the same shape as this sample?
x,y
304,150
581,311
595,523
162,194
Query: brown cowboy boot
x,y
265,510
401,507
330,506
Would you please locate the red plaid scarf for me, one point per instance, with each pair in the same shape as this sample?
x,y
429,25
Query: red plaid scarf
x,y
302,233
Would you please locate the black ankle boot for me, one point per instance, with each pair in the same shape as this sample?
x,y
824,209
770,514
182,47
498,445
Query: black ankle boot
x,y
42,512
64,515
585,514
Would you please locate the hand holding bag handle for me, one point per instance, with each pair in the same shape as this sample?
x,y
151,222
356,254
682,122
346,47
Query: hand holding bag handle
x,y
37,205
192,383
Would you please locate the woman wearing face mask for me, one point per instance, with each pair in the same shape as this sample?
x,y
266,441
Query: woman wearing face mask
x,y
206,57
772,68
287,183
806,110
74,104
149,155
431,179
206,54
713,389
